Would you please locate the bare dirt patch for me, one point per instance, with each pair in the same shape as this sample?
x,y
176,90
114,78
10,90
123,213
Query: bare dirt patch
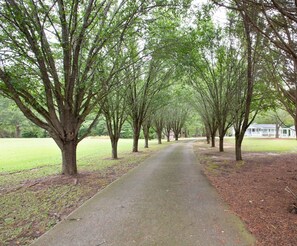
x,y
255,190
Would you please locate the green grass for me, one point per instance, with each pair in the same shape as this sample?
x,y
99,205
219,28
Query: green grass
x,y
267,145
27,211
28,159
24,154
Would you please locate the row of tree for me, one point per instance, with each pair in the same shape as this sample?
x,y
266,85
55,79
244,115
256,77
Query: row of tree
x,y
66,63
62,61
261,35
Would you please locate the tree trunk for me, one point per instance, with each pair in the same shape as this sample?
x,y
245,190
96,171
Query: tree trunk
x,y
277,126
146,142
146,136
213,140
176,136
221,143
207,135
136,133
295,121
17,131
207,138
69,165
159,133
238,142
114,147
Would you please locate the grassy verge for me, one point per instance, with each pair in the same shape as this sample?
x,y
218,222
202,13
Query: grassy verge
x,y
215,161
34,197
267,145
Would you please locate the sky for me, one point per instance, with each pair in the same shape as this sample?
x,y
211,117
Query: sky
x,y
219,16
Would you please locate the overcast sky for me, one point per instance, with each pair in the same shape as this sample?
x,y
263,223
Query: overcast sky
x,y
219,16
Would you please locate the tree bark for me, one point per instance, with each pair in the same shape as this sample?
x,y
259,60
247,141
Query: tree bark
x,y
213,140
207,138
114,147
168,138
146,133
146,142
295,122
221,147
17,131
176,136
136,133
238,143
277,126
207,132
159,133
69,165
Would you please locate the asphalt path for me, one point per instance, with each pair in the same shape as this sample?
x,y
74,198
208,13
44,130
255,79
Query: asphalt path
x,y
164,201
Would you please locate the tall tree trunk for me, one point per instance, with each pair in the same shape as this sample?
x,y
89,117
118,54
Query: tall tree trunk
x,y
114,147
250,85
168,136
213,140
222,143
146,142
208,138
207,132
238,143
277,126
176,136
136,133
159,133
69,165
17,131
146,134
295,122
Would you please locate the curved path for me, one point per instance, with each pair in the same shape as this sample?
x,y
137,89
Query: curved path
x,y
164,201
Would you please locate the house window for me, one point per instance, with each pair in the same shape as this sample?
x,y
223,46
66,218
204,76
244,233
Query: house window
x,y
253,130
285,131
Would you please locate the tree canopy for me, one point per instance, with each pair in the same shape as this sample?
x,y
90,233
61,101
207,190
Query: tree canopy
x,y
67,63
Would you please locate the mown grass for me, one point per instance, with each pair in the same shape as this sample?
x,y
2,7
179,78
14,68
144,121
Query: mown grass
x,y
28,211
267,145
22,154
29,159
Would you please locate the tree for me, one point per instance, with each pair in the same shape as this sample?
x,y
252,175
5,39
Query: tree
x,y
148,79
277,26
53,56
178,120
159,122
11,119
168,115
207,116
146,125
115,115
251,45
219,74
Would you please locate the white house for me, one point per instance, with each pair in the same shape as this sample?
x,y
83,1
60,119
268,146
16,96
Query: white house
x,y
269,130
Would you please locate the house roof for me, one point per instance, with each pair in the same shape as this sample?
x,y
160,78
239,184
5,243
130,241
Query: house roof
x,y
255,125
268,126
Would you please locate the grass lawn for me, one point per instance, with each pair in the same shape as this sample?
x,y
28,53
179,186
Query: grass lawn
x,y
39,157
21,154
33,197
267,145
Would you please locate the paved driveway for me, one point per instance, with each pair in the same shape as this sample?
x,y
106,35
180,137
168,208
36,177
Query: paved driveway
x,y
164,201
